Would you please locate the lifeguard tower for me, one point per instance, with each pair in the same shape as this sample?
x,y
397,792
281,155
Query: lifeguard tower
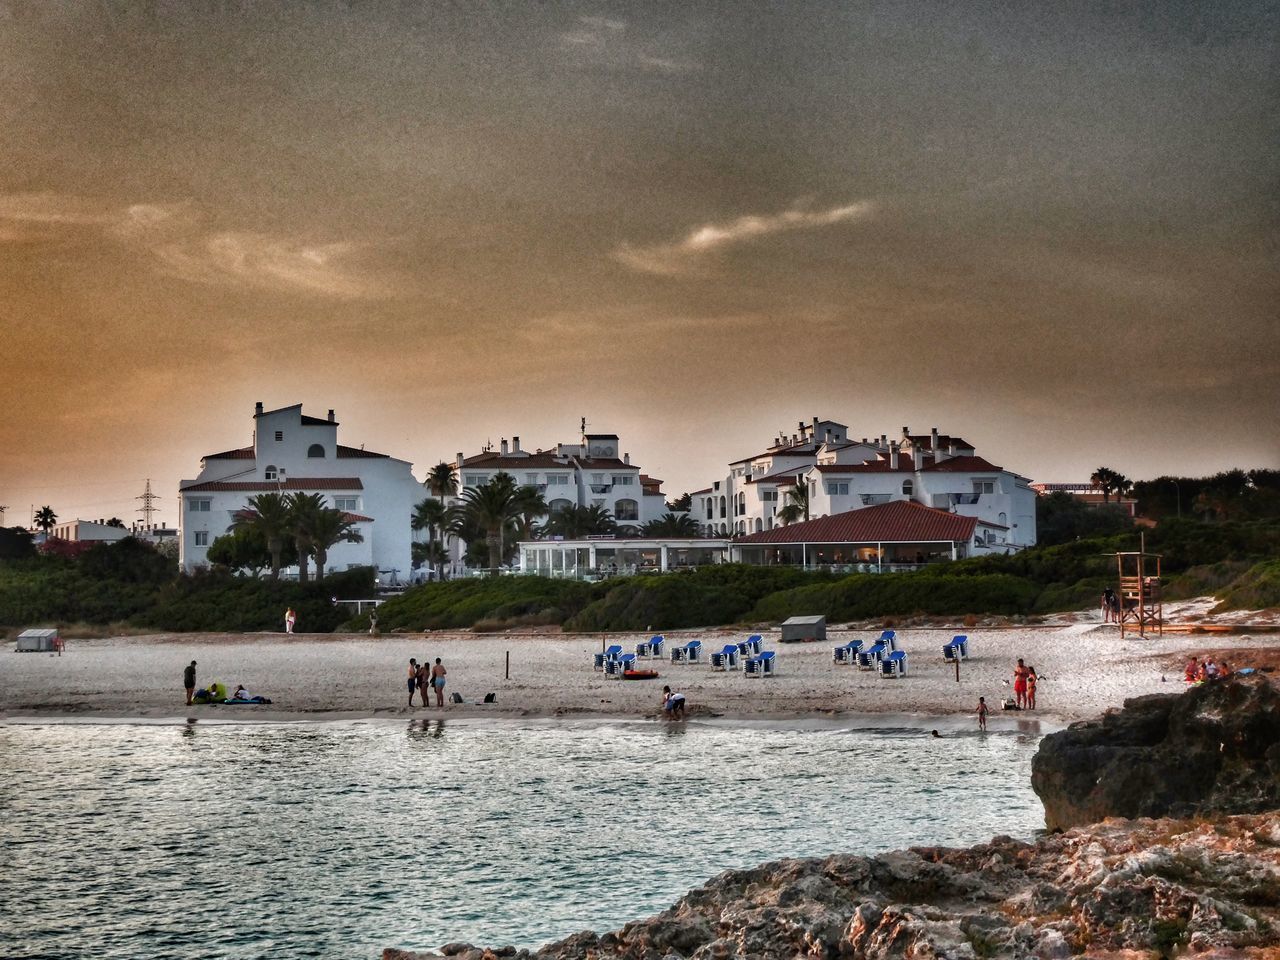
x,y
1141,607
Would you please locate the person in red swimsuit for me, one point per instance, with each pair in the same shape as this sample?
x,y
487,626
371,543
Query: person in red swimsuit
x,y
1020,684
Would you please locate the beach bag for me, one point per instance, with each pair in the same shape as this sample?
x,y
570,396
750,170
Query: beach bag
x,y
455,697
490,698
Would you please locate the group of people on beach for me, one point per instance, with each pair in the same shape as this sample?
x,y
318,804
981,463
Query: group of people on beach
x,y
425,677
1025,681
1199,671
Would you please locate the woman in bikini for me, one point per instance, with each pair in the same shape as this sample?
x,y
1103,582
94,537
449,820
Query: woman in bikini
x,y
1020,684
1032,680
424,681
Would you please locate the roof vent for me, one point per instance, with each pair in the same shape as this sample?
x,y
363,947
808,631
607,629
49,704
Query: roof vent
x,y
331,420
257,409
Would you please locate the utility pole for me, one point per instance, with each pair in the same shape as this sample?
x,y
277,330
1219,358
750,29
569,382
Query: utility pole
x,y
148,508
3,508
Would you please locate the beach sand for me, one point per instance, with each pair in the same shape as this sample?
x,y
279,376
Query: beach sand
x,y
1085,668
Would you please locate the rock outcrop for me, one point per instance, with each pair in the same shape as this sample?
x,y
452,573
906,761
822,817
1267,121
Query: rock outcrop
x,y
1152,886
1212,750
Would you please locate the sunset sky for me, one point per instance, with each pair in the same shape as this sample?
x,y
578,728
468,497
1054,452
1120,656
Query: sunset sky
x,y
1048,228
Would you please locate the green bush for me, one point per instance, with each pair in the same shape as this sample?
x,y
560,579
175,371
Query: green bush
x,y
1207,580
220,602
864,595
1256,589
48,590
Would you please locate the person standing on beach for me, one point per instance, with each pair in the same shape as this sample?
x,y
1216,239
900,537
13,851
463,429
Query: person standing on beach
x,y
414,673
290,618
424,681
438,673
1032,680
982,714
1020,684
189,681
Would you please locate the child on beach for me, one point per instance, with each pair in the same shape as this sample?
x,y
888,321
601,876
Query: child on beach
x,y
672,704
982,713
290,618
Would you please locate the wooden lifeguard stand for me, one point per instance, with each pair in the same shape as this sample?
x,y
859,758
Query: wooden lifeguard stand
x,y
1141,606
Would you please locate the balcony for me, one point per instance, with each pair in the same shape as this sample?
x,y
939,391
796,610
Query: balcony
x,y
870,499
601,487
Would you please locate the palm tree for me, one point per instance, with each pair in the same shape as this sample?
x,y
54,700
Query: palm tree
x,y
268,514
115,522
1104,479
45,519
1121,485
797,503
434,517
672,525
329,527
574,522
488,508
530,506
304,511
442,480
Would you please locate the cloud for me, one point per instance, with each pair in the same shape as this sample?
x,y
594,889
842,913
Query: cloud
x,y
606,43
682,256
263,261
178,244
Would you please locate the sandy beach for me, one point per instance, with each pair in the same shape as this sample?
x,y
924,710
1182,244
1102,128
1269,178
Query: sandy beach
x,y
1085,667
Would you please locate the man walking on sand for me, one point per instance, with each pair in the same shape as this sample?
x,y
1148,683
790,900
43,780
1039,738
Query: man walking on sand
x,y
290,618
189,681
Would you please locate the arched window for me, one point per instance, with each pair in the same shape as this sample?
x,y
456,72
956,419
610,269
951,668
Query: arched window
x,y
759,525
724,507
1004,519
626,510
270,473
711,507
557,505
908,488
316,451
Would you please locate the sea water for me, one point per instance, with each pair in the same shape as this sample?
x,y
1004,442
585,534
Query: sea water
x,y
338,839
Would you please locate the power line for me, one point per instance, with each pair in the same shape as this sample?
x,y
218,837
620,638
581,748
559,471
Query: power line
x,y
148,507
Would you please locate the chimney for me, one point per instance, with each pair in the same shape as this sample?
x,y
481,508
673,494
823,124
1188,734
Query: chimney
x,y
331,420
951,448
515,444
626,458
257,409
504,446
893,455
459,459
933,439
906,432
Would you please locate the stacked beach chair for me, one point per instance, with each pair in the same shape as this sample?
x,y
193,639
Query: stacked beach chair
x,y
893,664
602,660
651,648
957,649
727,658
763,665
869,658
691,652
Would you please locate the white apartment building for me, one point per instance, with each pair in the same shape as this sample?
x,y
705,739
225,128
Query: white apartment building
x,y
291,453
95,531
594,471
841,475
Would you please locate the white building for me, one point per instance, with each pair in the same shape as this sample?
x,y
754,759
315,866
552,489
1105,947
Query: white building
x,y
94,531
842,474
594,472
291,453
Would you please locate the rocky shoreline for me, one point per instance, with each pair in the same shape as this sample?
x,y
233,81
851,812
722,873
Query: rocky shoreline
x,y
1205,881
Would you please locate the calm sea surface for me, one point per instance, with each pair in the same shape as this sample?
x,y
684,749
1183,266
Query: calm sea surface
x,y
336,840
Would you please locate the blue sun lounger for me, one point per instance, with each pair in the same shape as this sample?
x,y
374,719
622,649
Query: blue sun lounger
x,y
651,647
613,653
726,659
894,664
691,652
847,653
957,649
869,659
751,646
890,639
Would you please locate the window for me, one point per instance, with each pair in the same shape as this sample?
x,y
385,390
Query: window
x,y
711,507
474,479
279,435
1003,518
838,488
531,479
597,478
560,479
316,451
197,506
202,538
623,479
626,510
350,504
271,473
984,486
770,496
908,488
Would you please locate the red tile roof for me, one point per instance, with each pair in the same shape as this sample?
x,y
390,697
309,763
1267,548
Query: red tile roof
x,y
902,521
493,460
269,486
965,465
788,475
793,451
905,465
353,453
244,453
356,518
